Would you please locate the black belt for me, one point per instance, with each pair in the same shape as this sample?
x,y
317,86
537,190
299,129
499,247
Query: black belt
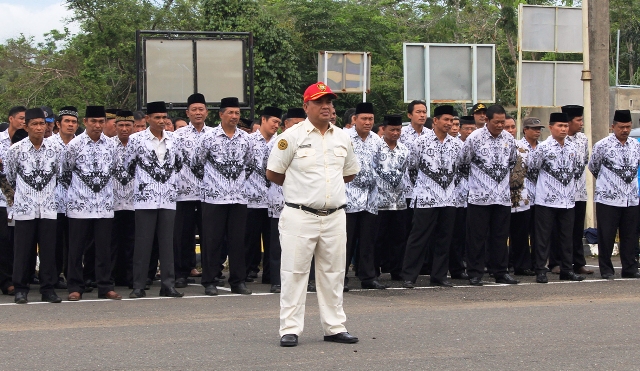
x,y
321,212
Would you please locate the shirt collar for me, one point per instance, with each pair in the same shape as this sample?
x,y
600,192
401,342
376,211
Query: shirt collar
x,y
88,139
308,126
152,137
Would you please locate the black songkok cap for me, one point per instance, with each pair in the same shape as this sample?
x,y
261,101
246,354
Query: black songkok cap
x,y
573,111
124,116
364,107
19,135
467,120
229,102
272,111
33,113
444,110
622,115
196,98
559,117
296,113
112,113
95,111
393,120
69,111
156,107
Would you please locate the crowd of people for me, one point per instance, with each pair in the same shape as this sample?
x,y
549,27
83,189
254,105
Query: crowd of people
x,y
447,196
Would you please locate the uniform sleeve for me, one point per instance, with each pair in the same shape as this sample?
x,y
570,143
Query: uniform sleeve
x,y
282,154
534,160
466,153
596,160
129,157
414,154
513,156
351,164
10,167
198,157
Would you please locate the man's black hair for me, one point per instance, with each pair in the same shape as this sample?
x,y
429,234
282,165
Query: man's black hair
x,y
17,109
138,115
413,104
346,119
495,109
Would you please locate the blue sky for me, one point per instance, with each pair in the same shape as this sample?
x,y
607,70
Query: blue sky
x,y
32,18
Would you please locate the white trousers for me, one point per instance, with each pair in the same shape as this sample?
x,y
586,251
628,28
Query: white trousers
x,y
302,235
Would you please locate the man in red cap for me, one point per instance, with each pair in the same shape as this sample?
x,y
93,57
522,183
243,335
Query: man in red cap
x,y
312,161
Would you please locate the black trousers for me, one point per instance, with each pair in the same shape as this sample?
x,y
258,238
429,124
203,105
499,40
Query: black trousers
x,y
577,233
27,234
154,259
612,219
6,252
427,222
188,217
487,229
122,244
218,221
519,248
275,253
458,242
257,235
88,262
361,236
546,219
80,232
62,244
390,241
151,224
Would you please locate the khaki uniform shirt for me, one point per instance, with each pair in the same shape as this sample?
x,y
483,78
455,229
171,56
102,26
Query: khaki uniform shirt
x,y
314,165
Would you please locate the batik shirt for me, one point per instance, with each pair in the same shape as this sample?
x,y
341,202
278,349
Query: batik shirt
x,y
407,136
5,143
275,196
392,167
461,182
518,180
532,176
122,180
435,162
582,146
61,186
615,166
33,174
224,162
362,191
154,183
257,185
188,183
491,160
557,166
87,167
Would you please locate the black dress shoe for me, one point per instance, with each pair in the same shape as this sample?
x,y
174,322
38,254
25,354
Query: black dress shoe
x,y
311,286
21,298
149,282
35,280
218,282
542,278
252,274
345,288
211,290
460,276
408,285
170,292
343,337
289,340
51,298
181,283
373,285
443,283
240,289
60,285
524,272
608,276
571,276
275,289
475,281
631,275
87,286
506,278
191,280
249,279
137,294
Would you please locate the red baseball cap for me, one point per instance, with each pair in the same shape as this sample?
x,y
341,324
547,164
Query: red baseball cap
x,y
317,90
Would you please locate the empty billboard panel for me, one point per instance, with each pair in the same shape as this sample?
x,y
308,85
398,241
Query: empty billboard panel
x,y
169,70
551,29
450,77
221,69
538,88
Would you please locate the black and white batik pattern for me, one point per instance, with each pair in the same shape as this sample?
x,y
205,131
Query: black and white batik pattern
x,y
490,160
582,146
532,175
33,175
257,185
122,180
5,143
461,182
188,180
436,165
275,196
89,165
518,180
225,161
615,166
154,183
392,167
61,186
362,191
558,167
407,135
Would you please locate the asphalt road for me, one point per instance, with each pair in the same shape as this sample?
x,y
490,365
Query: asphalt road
x,y
590,325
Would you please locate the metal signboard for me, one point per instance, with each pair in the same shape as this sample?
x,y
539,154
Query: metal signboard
x,y
345,72
551,84
550,29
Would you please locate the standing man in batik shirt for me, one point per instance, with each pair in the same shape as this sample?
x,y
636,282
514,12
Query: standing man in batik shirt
x,y
614,163
362,199
189,184
393,164
258,230
225,154
491,154
558,163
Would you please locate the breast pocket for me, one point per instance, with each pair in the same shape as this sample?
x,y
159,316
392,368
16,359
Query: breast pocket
x,y
339,155
305,158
